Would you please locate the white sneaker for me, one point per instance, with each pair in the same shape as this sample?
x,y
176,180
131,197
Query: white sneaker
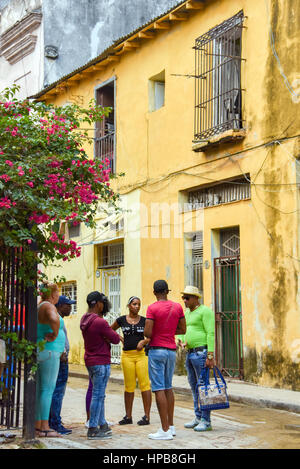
x,y
172,428
192,424
161,435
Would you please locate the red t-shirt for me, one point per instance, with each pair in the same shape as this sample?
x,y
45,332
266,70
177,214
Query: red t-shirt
x,y
165,315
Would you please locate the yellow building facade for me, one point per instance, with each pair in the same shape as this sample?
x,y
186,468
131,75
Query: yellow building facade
x,y
205,126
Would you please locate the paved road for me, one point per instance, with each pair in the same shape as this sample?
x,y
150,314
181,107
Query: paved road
x,y
240,427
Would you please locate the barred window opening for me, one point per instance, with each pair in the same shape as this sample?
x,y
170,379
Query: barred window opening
x,y
221,193
70,290
111,255
218,97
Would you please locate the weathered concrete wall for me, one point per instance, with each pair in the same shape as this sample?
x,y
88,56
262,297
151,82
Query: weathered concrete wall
x,y
277,207
81,30
14,10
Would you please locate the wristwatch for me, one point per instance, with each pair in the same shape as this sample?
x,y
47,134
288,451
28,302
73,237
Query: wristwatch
x,y
210,356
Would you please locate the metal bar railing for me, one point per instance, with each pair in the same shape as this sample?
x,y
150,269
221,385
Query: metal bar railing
x,y
105,149
218,106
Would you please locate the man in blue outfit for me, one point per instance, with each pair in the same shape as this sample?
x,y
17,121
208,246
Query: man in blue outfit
x,y
63,307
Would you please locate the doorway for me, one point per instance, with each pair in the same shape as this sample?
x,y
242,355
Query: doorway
x,y
228,305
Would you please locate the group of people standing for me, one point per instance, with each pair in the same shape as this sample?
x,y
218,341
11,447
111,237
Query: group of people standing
x,y
148,355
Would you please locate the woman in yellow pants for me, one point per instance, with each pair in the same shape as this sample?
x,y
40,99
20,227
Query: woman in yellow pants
x,y
134,360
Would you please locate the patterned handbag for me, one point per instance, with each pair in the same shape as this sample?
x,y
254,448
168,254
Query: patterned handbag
x,y
213,396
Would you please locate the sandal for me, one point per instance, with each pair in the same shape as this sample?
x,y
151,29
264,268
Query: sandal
x,y
125,421
144,421
45,433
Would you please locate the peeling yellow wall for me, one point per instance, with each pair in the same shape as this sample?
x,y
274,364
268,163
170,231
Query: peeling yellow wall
x,y
154,149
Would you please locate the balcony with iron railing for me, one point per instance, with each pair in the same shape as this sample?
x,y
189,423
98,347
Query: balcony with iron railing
x,y
105,148
218,90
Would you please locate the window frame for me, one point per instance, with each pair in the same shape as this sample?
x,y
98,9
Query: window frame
x,y
72,296
157,91
109,137
218,90
108,256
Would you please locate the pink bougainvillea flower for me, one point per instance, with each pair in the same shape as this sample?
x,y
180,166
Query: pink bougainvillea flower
x,y
5,202
39,218
5,177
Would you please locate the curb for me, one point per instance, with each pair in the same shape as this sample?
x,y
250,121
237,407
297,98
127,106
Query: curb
x,y
277,405
267,403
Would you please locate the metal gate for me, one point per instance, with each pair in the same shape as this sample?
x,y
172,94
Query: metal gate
x,y
228,316
18,318
111,285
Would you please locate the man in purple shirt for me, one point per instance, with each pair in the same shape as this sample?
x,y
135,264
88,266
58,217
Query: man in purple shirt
x,y
98,336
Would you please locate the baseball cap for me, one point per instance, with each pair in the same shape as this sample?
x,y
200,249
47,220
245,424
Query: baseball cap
x,y
64,300
93,298
160,286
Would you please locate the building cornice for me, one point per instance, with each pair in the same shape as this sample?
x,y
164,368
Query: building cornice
x,y
17,41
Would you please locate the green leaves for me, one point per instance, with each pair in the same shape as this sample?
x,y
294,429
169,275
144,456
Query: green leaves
x,y
46,176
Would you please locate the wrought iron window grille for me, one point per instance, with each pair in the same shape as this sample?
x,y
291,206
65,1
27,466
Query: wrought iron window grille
x,y
222,193
218,92
111,255
105,136
70,290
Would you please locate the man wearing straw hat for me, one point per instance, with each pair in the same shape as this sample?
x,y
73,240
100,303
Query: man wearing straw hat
x,y
199,341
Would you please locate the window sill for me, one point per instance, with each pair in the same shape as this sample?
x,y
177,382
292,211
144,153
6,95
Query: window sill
x,y
230,136
111,266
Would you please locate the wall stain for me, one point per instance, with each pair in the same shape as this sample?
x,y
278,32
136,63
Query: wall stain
x,y
281,370
280,120
76,355
280,109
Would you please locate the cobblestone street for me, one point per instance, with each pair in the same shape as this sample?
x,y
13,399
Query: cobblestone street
x,y
240,427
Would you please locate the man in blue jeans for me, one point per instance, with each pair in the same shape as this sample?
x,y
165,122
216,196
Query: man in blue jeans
x,y
164,319
63,307
98,335
200,343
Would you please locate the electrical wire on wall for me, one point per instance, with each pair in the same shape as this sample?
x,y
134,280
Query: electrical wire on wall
x,y
150,185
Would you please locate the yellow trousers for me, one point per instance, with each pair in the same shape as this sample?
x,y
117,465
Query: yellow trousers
x,y
135,366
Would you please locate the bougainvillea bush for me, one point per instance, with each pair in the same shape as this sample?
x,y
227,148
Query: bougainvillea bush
x,y
46,176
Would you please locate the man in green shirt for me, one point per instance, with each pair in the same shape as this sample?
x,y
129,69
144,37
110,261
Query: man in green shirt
x,y
200,343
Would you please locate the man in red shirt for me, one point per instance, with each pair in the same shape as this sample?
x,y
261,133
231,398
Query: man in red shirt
x,y
164,319
98,335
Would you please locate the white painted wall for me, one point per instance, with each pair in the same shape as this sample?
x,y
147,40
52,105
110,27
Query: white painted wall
x,y
29,71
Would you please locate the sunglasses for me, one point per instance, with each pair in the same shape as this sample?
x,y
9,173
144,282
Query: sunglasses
x,y
185,297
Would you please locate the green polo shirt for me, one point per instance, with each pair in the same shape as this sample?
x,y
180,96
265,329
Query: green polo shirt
x,y
200,328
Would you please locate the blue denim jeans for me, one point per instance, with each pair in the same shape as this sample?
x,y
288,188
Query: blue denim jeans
x,y
58,395
161,365
195,366
99,375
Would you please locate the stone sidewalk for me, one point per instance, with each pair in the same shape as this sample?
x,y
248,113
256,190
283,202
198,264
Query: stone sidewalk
x,y
238,391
